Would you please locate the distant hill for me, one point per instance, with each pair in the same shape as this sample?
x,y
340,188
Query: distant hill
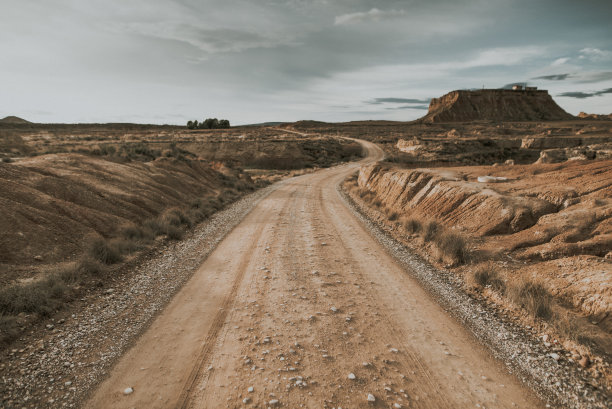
x,y
266,124
495,105
13,120
584,115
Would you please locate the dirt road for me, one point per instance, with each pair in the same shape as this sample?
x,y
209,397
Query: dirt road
x,y
300,307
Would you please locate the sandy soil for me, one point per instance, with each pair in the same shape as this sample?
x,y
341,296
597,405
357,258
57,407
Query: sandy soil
x,y
296,299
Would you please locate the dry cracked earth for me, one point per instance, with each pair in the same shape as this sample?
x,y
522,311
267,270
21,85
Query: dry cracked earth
x,y
299,306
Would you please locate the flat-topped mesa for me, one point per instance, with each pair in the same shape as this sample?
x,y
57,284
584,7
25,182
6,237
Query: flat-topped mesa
x,y
495,105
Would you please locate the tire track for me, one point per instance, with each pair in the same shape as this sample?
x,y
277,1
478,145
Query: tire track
x,y
185,400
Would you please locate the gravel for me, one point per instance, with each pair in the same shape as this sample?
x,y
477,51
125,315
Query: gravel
x,y
59,364
558,382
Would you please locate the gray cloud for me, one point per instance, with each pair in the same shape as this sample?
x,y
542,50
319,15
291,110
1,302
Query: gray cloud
x,y
554,77
372,15
593,77
377,101
595,54
582,95
208,40
419,107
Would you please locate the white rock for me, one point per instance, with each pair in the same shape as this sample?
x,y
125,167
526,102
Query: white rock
x,y
371,398
397,406
554,356
334,309
351,376
251,389
491,179
128,391
246,400
273,402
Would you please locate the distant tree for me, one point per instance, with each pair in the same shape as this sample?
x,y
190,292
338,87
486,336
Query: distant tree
x,y
209,123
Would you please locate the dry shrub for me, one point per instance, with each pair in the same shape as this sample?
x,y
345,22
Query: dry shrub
x,y
489,276
431,228
124,246
411,225
392,215
100,249
534,297
452,246
135,233
568,327
9,328
377,202
175,217
174,233
40,297
88,266
154,226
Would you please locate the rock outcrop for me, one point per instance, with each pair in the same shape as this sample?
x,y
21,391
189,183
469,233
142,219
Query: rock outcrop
x,y
495,105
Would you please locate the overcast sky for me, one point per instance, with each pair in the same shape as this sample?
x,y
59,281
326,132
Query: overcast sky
x,y
154,61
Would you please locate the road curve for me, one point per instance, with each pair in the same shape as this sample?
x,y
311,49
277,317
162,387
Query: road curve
x,y
302,305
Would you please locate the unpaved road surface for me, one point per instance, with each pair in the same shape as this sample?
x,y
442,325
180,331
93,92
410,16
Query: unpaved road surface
x,y
294,303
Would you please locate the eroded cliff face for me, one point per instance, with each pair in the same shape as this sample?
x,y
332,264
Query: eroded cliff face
x,y
495,105
538,212
444,195
550,221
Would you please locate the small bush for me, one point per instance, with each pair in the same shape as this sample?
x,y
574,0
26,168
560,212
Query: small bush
x,y
154,226
124,246
488,276
7,160
534,297
134,233
196,204
452,245
174,233
41,297
179,214
431,230
91,267
377,202
9,329
101,250
411,225
392,215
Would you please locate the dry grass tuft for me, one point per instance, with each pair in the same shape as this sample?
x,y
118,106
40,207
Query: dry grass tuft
x,y
452,246
534,297
431,228
101,250
411,225
489,276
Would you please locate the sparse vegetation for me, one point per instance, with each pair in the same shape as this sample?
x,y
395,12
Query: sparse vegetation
x,y
411,225
431,228
488,276
532,296
41,297
101,250
452,246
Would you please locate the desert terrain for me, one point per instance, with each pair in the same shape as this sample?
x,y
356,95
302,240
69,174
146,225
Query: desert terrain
x,y
459,264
